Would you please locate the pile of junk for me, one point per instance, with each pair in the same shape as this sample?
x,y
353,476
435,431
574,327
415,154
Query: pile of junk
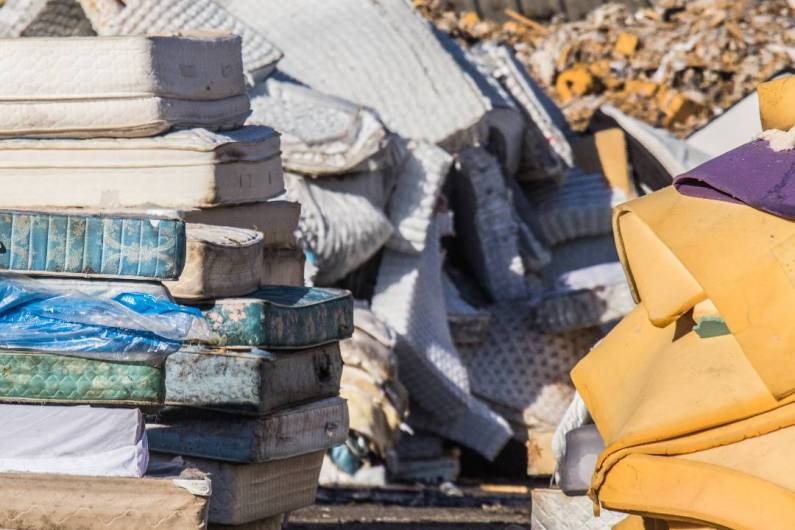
x,y
324,242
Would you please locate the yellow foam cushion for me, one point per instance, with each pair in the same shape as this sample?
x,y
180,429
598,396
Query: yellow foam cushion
x,y
743,260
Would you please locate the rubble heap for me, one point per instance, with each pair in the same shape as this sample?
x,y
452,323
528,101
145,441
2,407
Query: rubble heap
x,y
675,65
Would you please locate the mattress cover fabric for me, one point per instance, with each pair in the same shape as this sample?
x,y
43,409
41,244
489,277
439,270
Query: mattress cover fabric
x,y
207,67
381,56
308,428
91,245
179,500
282,317
245,493
136,17
43,18
79,440
47,378
251,381
221,261
321,134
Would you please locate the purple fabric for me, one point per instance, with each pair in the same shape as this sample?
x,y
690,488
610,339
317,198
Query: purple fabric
x,y
752,174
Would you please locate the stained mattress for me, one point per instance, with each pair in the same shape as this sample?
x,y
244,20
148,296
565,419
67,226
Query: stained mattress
x,y
182,169
185,81
221,261
283,317
176,501
244,493
251,381
291,432
135,17
30,377
91,245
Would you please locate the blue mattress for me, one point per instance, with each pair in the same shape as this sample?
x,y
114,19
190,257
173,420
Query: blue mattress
x,y
316,426
252,381
93,245
282,317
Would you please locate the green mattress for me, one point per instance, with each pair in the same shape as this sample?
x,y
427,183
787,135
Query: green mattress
x,y
51,378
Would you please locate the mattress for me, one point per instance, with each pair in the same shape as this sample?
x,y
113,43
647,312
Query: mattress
x,y
182,169
30,377
94,245
383,56
177,501
553,510
581,207
244,493
221,261
427,470
43,18
276,219
82,440
283,266
135,17
101,288
251,381
282,317
309,428
94,96
321,134
488,227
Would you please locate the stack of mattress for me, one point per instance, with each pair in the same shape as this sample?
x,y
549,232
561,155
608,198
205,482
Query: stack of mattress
x,y
132,182
257,407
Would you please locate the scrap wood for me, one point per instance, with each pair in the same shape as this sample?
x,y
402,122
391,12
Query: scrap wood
x,y
676,64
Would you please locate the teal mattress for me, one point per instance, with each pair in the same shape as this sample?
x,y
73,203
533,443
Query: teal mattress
x,y
100,245
32,377
282,317
251,381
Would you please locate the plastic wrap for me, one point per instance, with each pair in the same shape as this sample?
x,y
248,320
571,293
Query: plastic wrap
x,y
125,325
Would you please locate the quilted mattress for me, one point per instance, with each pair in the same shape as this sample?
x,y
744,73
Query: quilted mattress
x,y
175,501
251,381
43,18
322,134
135,17
221,261
283,266
188,168
164,82
244,493
283,317
309,428
553,510
269,523
277,219
95,245
30,377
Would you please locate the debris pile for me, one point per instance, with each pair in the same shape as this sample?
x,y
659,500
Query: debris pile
x,y
676,64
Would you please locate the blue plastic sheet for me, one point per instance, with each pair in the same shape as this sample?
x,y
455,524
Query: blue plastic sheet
x,y
122,326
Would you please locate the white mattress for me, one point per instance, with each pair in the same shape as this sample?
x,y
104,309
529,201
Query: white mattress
x,y
412,205
78,440
321,134
244,493
136,17
553,510
489,228
191,168
342,219
220,262
277,219
382,55
410,299
43,18
77,87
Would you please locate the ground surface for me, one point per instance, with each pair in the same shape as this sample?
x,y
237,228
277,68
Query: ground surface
x,y
466,506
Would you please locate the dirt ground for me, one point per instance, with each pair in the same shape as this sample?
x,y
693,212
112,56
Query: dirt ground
x,y
470,505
